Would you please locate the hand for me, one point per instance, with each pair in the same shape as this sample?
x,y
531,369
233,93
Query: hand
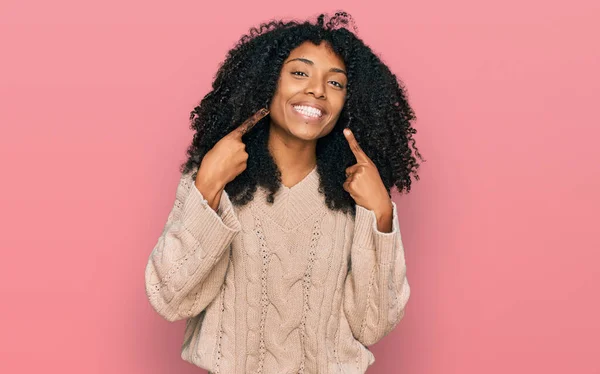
x,y
364,183
227,158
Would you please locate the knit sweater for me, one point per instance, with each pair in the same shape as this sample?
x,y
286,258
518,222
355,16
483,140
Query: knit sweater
x,y
292,287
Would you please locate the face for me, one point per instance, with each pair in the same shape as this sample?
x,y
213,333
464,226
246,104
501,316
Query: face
x,y
310,94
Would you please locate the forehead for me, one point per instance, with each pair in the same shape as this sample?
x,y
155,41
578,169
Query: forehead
x,y
321,54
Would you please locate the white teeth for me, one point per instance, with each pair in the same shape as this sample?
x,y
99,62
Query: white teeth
x,y
308,110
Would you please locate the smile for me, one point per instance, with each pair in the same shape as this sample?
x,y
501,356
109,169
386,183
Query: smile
x,y
308,111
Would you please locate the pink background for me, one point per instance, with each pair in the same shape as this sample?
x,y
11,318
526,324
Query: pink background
x,y
501,233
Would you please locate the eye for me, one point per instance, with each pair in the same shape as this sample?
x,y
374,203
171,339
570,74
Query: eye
x,y
339,85
301,73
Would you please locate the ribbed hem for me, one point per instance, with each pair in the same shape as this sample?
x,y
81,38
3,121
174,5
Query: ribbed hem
x,y
368,236
213,231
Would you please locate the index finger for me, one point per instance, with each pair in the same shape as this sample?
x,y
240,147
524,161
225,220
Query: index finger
x,y
354,146
250,122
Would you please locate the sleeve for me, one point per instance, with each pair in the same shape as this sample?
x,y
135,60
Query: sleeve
x,y
187,266
376,289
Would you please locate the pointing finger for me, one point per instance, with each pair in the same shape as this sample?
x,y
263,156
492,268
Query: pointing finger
x,y
354,147
250,122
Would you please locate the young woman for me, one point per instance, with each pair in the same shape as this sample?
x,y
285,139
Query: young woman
x,y
283,249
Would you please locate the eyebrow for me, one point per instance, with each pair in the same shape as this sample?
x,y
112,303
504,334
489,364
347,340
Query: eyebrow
x,y
309,62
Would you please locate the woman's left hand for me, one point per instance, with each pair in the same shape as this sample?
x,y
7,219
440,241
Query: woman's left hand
x,y
364,183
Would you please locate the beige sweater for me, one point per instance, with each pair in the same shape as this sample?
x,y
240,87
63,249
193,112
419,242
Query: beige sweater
x,y
286,288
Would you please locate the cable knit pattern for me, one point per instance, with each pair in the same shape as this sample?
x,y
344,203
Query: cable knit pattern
x,y
291,287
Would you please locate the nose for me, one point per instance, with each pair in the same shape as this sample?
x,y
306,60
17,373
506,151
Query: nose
x,y
316,86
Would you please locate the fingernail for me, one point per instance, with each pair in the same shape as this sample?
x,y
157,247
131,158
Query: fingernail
x,y
347,131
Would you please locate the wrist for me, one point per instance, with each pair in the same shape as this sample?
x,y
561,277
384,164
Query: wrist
x,y
207,188
206,183
210,190
384,209
384,217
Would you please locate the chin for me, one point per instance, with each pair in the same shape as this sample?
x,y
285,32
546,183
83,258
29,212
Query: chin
x,y
306,132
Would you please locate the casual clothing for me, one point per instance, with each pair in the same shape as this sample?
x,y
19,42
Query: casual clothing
x,y
292,287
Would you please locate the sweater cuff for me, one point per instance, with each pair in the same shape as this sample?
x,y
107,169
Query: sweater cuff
x,y
368,236
214,231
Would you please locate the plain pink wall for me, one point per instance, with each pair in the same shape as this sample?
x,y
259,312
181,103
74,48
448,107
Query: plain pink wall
x,y
501,232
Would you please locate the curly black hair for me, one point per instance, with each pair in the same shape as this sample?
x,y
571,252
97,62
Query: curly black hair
x,y
376,110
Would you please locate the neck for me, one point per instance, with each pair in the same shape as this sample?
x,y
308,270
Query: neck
x,y
294,157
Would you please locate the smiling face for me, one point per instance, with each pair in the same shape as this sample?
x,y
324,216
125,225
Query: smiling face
x,y
310,93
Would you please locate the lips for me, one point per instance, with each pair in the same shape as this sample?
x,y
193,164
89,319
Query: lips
x,y
311,105
306,115
309,112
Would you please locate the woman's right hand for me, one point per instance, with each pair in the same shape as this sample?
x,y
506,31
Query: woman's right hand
x,y
226,160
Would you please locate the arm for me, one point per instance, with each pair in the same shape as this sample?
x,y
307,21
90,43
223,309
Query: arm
x,y
186,268
376,289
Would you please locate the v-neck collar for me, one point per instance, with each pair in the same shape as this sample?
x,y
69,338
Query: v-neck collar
x,y
299,184
293,204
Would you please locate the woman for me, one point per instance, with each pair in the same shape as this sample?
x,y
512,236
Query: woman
x,y
283,249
